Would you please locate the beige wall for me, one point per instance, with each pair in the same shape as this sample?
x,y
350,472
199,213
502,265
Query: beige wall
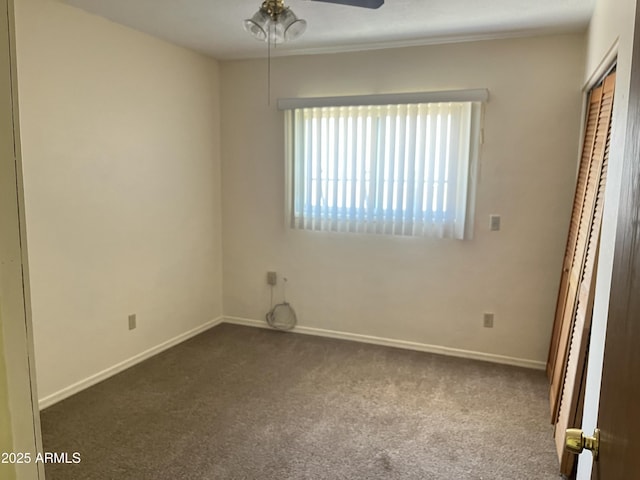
x,y
121,147
414,289
610,23
120,136
611,30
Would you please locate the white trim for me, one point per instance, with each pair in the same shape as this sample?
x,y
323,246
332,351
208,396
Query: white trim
x,y
467,95
288,50
608,62
119,367
390,342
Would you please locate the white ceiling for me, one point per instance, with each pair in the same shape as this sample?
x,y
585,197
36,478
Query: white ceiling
x,y
214,27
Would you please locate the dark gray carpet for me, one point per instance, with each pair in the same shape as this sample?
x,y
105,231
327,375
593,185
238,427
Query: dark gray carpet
x,y
244,403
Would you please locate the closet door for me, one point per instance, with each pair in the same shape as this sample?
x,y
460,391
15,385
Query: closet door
x,y
568,373
573,312
593,111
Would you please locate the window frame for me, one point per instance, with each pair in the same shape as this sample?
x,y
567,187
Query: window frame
x,y
476,97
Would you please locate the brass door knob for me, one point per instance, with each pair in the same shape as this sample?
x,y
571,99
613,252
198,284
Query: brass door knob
x,y
576,441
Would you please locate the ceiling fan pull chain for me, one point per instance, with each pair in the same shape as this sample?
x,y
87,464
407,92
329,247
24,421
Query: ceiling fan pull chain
x,y
269,37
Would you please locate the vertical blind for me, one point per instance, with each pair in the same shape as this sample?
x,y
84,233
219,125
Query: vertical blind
x,y
390,169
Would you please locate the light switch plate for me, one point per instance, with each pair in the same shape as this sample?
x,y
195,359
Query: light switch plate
x,y
494,222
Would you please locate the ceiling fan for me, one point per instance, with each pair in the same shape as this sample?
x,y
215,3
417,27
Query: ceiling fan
x,y
274,22
356,3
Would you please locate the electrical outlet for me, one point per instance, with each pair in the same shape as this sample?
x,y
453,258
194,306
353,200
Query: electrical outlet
x,y
272,278
494,222
132,321
488,320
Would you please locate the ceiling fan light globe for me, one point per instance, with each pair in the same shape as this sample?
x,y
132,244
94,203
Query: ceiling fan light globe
x,y
275,28
276,33
255,30
291,26
295,29
258,25
286,17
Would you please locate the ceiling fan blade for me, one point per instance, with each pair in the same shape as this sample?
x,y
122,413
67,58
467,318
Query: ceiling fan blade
x,y
356,3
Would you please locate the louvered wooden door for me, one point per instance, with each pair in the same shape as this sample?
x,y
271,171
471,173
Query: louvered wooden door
x,y
575,299
593,112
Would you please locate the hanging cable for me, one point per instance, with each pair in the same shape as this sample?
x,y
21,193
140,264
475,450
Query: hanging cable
x,y
282,316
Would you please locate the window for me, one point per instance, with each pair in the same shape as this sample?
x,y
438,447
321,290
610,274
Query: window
x,y
401,168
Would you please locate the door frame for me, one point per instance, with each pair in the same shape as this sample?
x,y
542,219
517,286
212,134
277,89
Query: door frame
x,y
622,51
14,279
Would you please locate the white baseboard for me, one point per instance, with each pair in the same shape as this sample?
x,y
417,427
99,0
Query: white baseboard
x,y
111,371
422,347
389,342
